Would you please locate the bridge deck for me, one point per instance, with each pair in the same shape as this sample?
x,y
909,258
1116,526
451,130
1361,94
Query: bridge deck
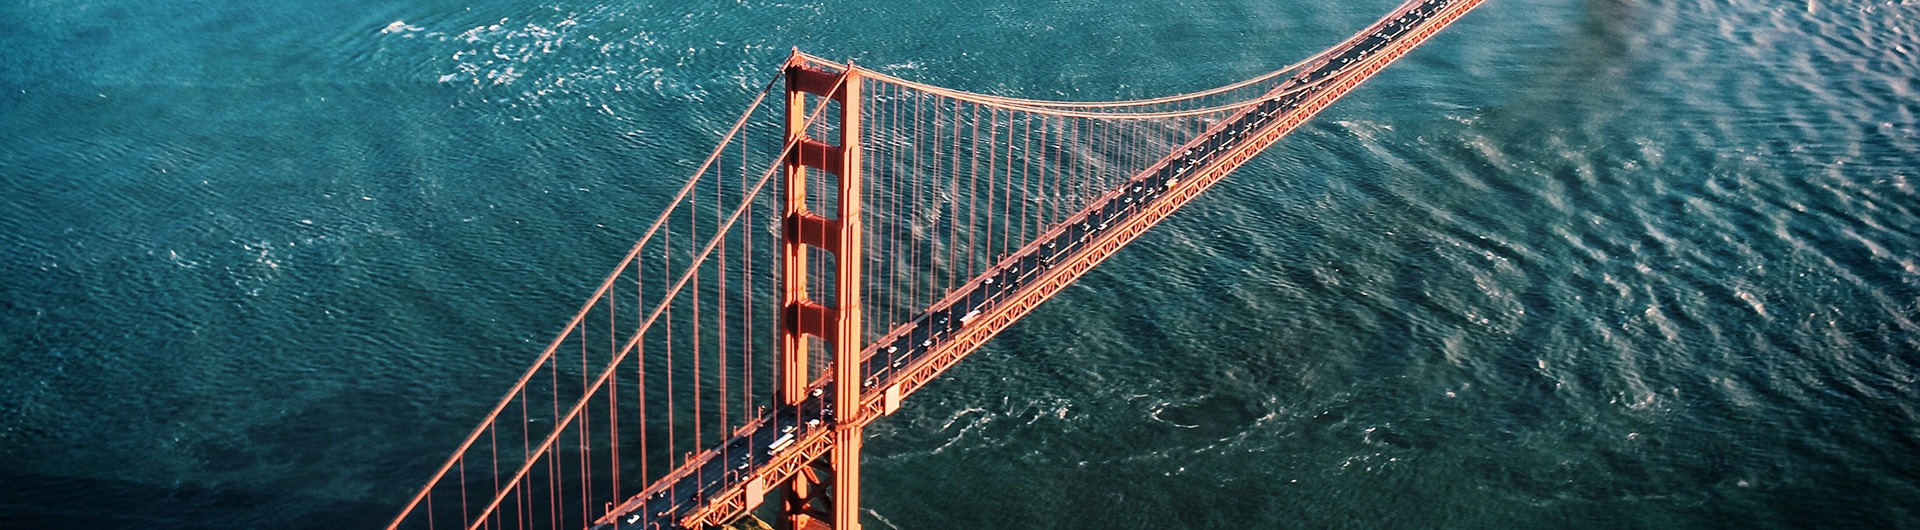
x,y
764,453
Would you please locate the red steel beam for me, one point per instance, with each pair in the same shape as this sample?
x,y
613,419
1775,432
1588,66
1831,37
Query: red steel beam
x,y
972,335
883,399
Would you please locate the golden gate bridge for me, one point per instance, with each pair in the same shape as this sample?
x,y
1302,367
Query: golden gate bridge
x,y
839,249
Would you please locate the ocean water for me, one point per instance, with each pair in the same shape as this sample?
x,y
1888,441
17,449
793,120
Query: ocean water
x,y
1592,263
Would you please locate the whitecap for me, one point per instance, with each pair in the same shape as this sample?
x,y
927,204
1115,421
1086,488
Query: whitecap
x,y
399,26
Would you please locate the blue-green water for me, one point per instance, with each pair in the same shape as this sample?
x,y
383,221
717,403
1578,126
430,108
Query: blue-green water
x,y
1603,263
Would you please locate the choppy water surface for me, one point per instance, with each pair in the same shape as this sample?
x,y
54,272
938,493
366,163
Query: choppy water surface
x,y
1605,263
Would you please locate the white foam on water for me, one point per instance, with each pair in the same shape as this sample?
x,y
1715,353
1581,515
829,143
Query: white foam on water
x,y
399,26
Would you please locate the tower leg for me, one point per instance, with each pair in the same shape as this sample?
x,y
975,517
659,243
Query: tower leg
x,y
846,359
809,501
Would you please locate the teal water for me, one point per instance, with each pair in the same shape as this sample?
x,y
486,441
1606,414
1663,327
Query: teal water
x,y
1603,263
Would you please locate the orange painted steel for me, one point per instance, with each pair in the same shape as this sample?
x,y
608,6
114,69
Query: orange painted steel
x,y
535,453
789,463
546,355
815,472
973,335
802,316
884,398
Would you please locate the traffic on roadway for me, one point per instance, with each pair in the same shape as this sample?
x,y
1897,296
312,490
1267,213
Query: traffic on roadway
x,y
741,456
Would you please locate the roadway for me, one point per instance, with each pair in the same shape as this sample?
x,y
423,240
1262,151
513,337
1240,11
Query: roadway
x,y
743,456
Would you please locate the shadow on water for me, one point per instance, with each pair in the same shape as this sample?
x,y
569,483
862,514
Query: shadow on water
x,y
305,469
114,503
